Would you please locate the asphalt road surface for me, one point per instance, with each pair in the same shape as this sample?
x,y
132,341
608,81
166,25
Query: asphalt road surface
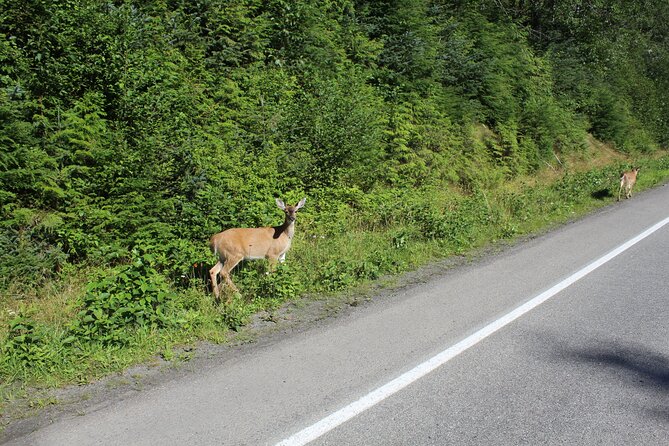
x,y
560,340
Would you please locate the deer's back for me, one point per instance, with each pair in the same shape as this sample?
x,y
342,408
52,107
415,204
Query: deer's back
x,y
250,243
629,178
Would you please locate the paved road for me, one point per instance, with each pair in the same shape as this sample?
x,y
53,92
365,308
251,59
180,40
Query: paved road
x,y
588,366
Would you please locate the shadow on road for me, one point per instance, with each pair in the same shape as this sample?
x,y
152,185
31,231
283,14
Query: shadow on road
x,y
637,364
633,365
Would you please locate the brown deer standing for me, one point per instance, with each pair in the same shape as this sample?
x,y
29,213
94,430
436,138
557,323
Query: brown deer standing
x,y
237,244
627,181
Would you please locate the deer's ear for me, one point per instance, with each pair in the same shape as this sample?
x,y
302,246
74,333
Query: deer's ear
x,y
301,203
281,205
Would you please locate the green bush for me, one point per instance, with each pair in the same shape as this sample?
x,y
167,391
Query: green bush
x,y
27,344
130,297
28,255
260,284
457,224
336,275
432,223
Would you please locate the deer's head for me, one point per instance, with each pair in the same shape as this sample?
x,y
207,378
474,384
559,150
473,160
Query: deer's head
x,y
290,211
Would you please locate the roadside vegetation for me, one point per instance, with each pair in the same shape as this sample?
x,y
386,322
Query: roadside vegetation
x,y
130,132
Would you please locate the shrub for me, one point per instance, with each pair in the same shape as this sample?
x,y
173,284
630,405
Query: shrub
x,y
30,349
457,224
279,285
431,223
26,343
341,274
26,255
133,296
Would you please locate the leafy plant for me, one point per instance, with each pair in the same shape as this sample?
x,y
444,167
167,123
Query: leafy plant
x,y
133,296
28,346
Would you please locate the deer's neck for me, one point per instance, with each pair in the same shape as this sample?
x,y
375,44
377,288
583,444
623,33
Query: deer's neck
x,y
287,228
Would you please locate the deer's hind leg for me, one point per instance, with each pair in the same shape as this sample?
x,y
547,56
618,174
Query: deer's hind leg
x,y
213,274
228,266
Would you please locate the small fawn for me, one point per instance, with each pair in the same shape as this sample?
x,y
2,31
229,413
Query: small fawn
x,y
237,244
627,182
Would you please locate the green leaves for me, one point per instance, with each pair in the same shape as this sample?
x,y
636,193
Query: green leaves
x,y
27,343
134,296
336,131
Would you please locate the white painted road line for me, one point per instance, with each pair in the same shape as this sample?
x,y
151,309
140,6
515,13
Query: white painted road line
x,y
376,396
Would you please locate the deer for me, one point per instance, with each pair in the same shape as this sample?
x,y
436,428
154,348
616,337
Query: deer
x,y
236,244
627,182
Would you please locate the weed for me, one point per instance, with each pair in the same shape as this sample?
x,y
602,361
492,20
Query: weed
x,y
133,296
26,343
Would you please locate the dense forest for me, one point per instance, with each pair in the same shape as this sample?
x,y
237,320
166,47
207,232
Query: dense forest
x,y
130,131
